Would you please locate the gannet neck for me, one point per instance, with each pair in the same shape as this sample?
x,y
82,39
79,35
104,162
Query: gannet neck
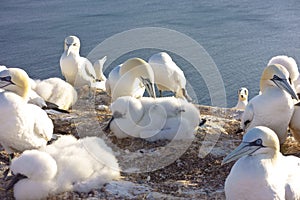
x,y
137,68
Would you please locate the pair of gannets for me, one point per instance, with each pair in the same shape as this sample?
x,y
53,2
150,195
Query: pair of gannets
x,y
78,70
261,171
154,119
167,75
290,64
67,164
274,107
22,125
242,98
131,79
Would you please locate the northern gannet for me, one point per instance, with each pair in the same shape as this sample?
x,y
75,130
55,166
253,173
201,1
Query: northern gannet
x,y
67,164
167,75
77,70
131,79
22,125
154,118
274,107
243,98
261,171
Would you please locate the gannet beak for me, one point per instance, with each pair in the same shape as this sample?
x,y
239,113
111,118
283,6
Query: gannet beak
x,y
243,149
149,87
284,85
68,49
14,180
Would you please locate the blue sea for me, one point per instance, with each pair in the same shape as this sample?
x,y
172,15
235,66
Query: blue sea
x,y
238,36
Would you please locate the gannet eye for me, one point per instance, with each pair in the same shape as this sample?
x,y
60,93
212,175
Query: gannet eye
x,y
258,142
74,44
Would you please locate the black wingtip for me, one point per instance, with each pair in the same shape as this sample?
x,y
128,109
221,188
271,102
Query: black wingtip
x,y
53,106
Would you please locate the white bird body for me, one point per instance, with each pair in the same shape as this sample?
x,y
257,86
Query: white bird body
x,y
66,165
77,70
131,79
154,118
167,75
23,125
243,99
57,91
274,107
261,171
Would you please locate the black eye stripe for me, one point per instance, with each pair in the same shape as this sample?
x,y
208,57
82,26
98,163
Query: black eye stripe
x,y
257,142
7,78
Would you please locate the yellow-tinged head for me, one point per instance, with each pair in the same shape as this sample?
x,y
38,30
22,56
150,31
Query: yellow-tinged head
x,y
277,76
16,80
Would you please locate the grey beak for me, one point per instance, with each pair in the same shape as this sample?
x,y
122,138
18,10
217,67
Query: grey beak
x,y
284,85
149,87
242,150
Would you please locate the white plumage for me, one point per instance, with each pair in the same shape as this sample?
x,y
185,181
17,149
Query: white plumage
x,y
77,70
66,165
154,118
243,98
274,107
167,75
101,79
261,171
22,125
57,91
131,79
290,64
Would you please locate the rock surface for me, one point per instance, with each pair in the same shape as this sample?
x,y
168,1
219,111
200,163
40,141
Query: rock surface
x,y
158,170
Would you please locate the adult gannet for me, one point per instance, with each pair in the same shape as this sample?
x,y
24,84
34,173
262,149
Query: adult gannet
x,y
261,171
22,125
154,118
274,106
57,91
77,70
167,75
243,98
290,64
67,164
130,79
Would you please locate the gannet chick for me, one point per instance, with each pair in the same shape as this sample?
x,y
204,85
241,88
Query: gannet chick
x,y
243,98
167,75
274,107
154,118
261,171
56,91
77,70
22,125
67,164
130,79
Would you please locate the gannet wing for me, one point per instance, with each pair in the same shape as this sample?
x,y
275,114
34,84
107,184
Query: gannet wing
x,y
292,188
247,116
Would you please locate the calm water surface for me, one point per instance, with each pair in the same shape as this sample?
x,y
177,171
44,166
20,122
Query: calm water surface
x,y
240,36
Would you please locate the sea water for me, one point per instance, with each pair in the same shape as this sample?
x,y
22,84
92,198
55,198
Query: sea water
x,y
239,36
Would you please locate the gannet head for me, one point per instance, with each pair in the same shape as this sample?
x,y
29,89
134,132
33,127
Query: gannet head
x,y
258,140
277,76
15,80
289,63
72,44
160,58
140,69
243,94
